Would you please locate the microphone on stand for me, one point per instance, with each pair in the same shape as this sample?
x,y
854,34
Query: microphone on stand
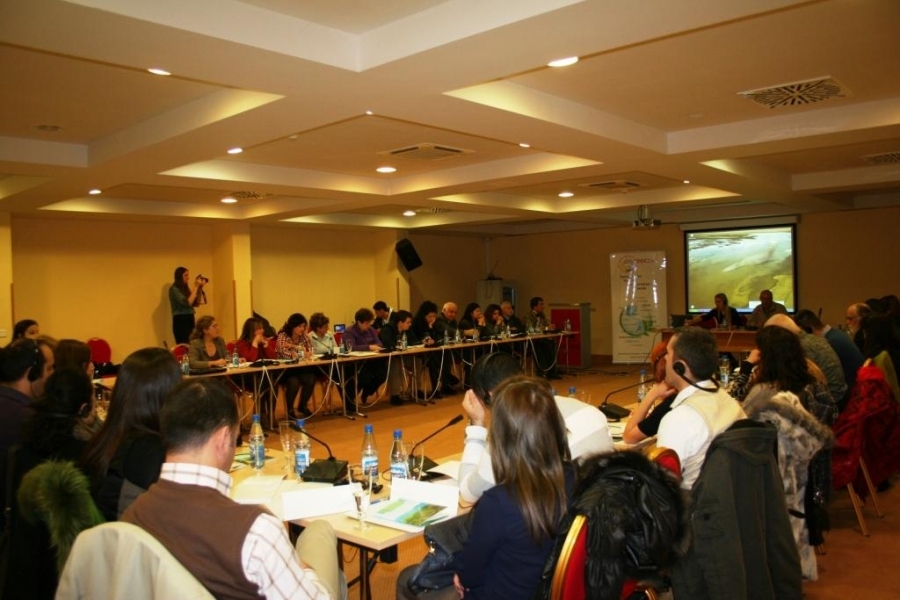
x,y
614,412
427,463
329,470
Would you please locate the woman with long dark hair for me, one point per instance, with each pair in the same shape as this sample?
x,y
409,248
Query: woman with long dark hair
x,y
253,345
183,299
26,328
126,455
515,523
54,432
292,340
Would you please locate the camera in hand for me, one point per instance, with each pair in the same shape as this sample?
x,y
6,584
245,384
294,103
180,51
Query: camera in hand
x,y
202,279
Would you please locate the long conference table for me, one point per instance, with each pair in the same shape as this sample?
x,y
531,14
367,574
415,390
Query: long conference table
x,y
335,368
728,340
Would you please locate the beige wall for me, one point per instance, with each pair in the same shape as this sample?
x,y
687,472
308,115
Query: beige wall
x,y
81,279
86,278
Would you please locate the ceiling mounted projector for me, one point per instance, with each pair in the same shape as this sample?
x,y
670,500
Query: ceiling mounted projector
x,y
644,220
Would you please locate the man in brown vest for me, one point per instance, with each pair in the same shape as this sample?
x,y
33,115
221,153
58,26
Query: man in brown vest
x,y
236,551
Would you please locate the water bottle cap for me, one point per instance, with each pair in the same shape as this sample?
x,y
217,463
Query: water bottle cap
x,y
643,371
572,390
256,418
398,434
301,423
369,429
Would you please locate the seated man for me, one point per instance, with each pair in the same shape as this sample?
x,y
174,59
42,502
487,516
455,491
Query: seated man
x,y
701,410
588,432
510,319
384,314
848,354
544,349
765,309
234,550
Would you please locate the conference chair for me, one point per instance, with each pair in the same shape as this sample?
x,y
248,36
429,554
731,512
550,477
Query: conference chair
x,y
100,351
179,350
121,560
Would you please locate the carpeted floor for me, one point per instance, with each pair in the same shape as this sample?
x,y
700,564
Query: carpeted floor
x,y
853,566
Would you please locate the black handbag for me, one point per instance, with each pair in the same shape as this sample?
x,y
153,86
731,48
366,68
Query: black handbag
x,y
445,540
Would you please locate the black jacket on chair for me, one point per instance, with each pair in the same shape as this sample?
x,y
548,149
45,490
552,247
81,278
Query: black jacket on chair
x,y
743,545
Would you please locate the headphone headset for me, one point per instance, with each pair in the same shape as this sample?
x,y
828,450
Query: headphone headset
x,y
36,370
680,370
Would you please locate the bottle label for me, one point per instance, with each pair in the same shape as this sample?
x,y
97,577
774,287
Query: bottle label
x,y
301,460
258,454
399,470
370,464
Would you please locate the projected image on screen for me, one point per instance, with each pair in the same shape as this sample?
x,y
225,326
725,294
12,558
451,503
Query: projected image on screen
x,y
741,263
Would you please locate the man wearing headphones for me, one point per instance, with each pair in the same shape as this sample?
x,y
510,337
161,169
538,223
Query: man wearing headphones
x,y
588,431
701,410
25,366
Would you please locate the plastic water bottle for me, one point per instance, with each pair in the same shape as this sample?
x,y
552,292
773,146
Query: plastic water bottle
x,y
642,389
724,370
572,392
301,449
567,325
185,364
257,442
235,358
369,459
403,342
456,337
399,463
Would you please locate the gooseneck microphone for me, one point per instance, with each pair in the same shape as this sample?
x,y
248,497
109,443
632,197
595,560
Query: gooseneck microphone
x,y
427,463
614,412
330,470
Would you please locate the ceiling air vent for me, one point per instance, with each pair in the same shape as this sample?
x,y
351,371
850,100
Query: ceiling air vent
x,y
427,152
434,210
885,158
797,93
616,185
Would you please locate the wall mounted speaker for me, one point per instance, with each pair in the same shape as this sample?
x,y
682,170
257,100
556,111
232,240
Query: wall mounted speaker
x,y
408,255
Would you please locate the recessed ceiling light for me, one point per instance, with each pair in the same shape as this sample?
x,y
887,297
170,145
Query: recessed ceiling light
x,y
524,145
386,169
94,192
157,71
235,150
563,62
229,200
409,213
686,181
370,113
48,128
566,194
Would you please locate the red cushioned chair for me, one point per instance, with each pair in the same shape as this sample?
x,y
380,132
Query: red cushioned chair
x,y
100,351
666,458
179,351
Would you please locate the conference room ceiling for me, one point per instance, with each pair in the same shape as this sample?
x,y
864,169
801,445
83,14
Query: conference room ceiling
x,y
669,106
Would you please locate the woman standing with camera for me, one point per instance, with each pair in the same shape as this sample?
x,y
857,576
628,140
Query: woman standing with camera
x,y
183,299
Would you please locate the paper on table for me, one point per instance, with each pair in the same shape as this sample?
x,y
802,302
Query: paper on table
x,y
616,430
412,493
257,489
305,503
449,468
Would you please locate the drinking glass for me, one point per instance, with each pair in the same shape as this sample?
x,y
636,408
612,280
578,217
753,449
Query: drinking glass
x,y
285,435
362,493
584,396
416,461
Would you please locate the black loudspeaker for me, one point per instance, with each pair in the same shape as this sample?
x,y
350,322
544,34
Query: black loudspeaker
x,y
408,255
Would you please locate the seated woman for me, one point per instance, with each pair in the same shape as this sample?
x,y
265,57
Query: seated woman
x,y
391,333
126,455
800,435
253,345
494,324
882,348
291,341
207,348
644,420
425,332
55,432
361,336
77,355
722,316
472,323
320,338
514,524
26,328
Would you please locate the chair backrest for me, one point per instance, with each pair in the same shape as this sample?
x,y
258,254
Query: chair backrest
x,y
568,577
666,458
231,346
180,350
100,350
121,560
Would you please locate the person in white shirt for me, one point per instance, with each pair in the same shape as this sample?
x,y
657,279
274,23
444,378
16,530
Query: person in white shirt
x,y
234,550
587,429
701,410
